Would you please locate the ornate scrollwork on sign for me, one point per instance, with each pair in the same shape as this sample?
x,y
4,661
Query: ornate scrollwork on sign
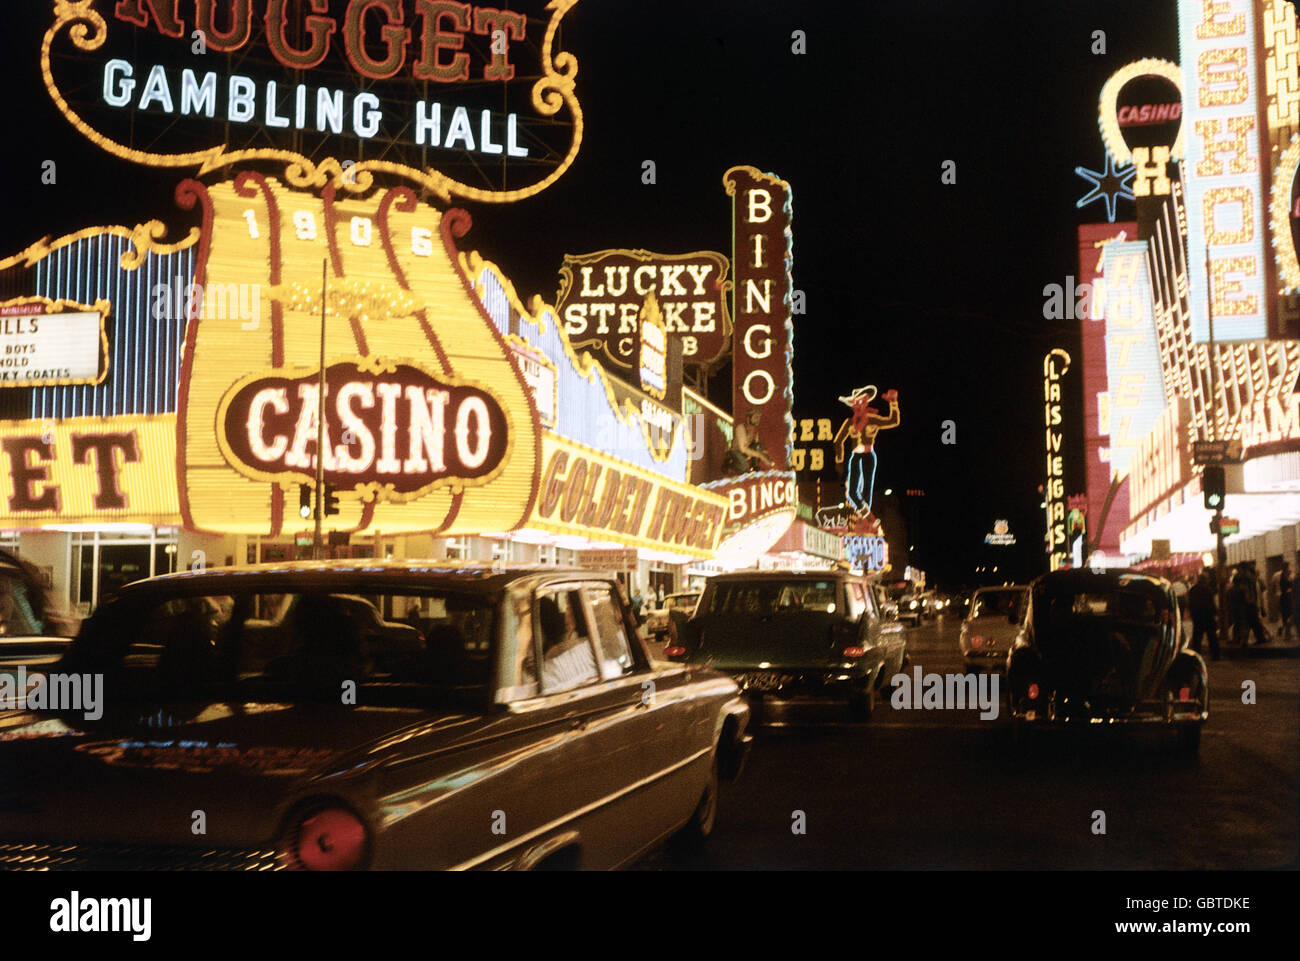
x,y
88,30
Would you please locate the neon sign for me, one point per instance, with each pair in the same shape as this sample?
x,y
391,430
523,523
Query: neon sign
x,y
1225,215
1136,394
449,403
601,296
1055,365
397,427
762,382
869,554
442,86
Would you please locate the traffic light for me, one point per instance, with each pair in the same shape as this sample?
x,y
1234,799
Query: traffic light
x,y
331,501
1212,485
304,501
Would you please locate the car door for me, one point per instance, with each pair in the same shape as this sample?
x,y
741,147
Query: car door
x,y
882,631
631,726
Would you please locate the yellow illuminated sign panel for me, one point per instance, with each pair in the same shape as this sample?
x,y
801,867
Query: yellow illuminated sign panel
x,y
589,494
88,470
430,426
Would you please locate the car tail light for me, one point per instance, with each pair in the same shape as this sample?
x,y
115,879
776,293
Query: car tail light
x,y
674,651
855,652
1033,692
977,641
326,839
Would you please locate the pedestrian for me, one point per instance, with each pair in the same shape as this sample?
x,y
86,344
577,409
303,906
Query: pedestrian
x,y
1261,591
637,603
1286,584
1201,603
1274,590
1249,622
1236,606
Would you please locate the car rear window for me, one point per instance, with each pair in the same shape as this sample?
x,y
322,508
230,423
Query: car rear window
x,y
396,647
767,597
995,603
1124,605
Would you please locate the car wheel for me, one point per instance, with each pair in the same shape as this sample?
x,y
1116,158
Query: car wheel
x,y
1189,740
862,704
702,822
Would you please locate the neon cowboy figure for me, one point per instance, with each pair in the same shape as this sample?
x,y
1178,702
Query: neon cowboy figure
x,y
862,427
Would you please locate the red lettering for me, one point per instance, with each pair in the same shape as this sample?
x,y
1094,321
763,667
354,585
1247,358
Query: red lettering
x,y
589,512
25,475
320,29
610,502
573,491
394,35
133,11
100,448
657,516
238,21
511,26
552,484
434,38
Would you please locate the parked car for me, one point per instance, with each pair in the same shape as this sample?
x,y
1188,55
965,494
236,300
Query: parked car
x,y
991,627
681,604
789,634
525,727
1105,648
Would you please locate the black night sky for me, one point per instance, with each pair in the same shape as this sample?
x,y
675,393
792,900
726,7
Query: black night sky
x,y
930,288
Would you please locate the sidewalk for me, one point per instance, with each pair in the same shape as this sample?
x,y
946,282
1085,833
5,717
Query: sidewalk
x,y
1274,648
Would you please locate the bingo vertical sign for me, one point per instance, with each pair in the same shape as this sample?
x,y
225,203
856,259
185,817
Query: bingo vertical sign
x,y
763,349
1055,366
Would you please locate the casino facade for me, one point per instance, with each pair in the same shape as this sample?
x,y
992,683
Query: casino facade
x,y
160,398
1189,310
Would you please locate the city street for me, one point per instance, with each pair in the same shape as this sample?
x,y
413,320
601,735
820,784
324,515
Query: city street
x,y
934,790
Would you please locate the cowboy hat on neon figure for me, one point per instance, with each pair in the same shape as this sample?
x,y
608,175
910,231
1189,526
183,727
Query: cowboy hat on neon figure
x,y
861,428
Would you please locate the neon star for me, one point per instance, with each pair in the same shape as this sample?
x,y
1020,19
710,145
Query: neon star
x,y
1108,185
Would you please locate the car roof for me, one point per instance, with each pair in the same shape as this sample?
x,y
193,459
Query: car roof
x,y
344,574
1111,577
768,575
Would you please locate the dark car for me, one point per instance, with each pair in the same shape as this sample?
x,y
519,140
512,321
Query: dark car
x,y
405,715
792,634
1100,648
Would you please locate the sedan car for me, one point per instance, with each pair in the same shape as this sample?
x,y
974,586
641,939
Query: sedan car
x,y
991,627
396,715
681,604
1106,648
910,608
790,634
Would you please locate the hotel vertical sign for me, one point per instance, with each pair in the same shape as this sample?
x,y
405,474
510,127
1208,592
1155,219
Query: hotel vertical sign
x,y
762,350
1224,172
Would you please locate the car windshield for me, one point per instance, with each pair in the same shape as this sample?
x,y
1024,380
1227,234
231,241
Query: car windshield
x,y
995,603
401,647
769,597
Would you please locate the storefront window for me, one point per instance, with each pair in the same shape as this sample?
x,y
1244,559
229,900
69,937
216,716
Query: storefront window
x,y
102,563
